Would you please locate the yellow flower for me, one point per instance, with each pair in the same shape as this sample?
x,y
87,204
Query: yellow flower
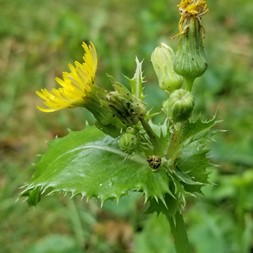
x,y
76,85
191,8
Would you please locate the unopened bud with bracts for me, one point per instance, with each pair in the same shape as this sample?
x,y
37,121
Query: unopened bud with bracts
x,y
128,142
179,105
128,108
162,59
190,60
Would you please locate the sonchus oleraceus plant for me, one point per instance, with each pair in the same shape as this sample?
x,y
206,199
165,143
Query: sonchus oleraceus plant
x,y
125,151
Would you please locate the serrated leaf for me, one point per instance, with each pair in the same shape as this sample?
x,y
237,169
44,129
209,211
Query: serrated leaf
x,y
192,129
163,133
192,170
185,178
190,133
169,206
78,165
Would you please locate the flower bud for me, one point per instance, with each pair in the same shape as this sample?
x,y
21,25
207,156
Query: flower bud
x,y
128,108
162,59
128,142
190,60
179,105
131,130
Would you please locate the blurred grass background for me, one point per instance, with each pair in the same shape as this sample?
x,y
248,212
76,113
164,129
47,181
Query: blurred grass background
x,y
37,41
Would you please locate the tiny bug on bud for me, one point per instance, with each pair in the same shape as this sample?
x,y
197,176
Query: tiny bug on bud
x,y
154,161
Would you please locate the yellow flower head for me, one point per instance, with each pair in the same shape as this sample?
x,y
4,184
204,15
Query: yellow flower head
x,y
76,85
191,8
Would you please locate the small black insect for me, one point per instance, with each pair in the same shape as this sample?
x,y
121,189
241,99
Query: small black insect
x,y
154,161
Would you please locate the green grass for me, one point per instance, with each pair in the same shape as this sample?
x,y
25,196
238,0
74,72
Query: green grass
x,y
39,39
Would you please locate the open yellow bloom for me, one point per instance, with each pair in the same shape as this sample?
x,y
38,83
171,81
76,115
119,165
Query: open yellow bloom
x,y
76,85
191,8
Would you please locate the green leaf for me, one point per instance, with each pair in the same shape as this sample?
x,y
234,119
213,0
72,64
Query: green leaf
x,y
192,170
81,163
194,134
169,206
196,129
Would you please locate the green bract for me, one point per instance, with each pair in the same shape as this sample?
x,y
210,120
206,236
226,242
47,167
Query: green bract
x,y
190,60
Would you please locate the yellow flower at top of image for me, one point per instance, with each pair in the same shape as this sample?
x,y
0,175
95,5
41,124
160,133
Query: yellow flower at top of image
x,y
191,8
76,85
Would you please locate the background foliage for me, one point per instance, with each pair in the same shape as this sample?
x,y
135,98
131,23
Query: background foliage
x,y
37,41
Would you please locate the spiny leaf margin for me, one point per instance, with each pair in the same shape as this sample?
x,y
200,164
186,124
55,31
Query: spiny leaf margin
x,y
89,164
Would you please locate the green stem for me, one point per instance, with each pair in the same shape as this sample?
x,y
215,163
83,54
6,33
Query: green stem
x,y
179,234
152,136
188,83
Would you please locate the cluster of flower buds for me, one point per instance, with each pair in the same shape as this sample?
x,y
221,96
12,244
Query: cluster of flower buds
x,y
119,109
177,71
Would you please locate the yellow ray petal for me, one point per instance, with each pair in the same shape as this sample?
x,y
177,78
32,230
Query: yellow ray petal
x,y
75,85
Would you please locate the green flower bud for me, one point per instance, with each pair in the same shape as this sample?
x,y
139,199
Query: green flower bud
x,y
190,60
162,59
128,142
131,130
128,108
179,105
